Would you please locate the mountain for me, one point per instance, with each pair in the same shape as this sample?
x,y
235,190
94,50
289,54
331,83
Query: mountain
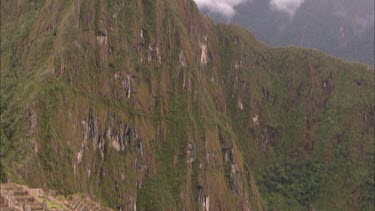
x,y
340,28
148,105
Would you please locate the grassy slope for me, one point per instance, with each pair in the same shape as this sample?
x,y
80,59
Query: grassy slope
x,y
311,147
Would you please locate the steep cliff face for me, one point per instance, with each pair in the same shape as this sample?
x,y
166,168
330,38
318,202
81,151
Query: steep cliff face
x,y
148,105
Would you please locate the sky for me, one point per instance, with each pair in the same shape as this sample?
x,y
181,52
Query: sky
x,y
227,7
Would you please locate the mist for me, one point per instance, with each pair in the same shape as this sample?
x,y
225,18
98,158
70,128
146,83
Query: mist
x,y
225,8
287,6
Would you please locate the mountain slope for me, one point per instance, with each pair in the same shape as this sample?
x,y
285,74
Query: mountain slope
x,y
148,105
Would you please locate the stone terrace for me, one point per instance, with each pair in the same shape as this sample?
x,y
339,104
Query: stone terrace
x,y
14,197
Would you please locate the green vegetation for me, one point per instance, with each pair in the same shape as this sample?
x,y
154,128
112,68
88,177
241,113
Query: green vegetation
x,y
156,195
89,105
54,205
295,181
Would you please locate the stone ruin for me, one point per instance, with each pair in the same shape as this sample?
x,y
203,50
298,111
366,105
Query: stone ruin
x,y
14,197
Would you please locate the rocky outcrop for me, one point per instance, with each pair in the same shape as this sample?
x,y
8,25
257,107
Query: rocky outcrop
x,y
204,51
206,203
154,53
117,133
102,38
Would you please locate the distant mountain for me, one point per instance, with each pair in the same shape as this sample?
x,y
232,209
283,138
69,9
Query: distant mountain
x,y
341,28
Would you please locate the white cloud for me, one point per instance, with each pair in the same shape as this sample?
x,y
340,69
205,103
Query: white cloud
x,y
223,7
287,6
227,7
